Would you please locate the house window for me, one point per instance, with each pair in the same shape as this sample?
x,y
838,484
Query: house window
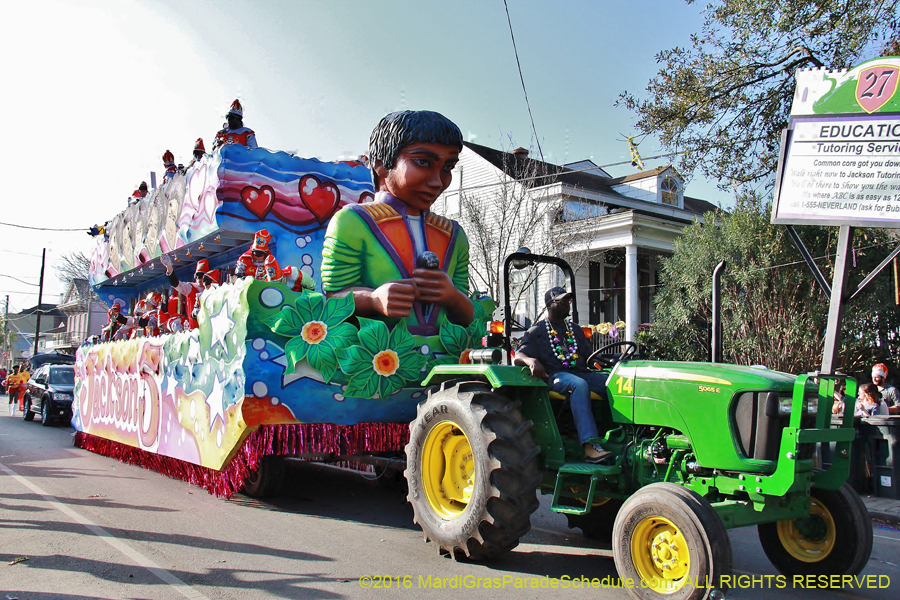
x,y
670,191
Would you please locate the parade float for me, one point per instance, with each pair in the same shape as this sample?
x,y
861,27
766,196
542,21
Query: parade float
x,y
269,370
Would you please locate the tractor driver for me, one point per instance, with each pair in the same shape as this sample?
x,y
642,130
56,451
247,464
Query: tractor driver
x,y
557,349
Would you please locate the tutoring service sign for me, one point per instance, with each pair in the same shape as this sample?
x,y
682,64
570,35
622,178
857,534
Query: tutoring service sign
x,y
841,152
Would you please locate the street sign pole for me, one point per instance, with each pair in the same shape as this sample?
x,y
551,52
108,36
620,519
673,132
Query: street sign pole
x,y
836,308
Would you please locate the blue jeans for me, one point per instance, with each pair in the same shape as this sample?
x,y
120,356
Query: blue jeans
x,y
579,388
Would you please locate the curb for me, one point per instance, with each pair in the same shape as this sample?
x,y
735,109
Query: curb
x,y
885,518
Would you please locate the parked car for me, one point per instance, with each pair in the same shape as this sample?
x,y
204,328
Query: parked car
x,y
56,357
49,393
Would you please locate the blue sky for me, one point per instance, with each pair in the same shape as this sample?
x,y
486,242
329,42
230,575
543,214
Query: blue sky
x,y
97,90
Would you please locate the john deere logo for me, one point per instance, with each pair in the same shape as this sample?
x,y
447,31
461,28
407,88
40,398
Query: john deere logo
x,y
875,86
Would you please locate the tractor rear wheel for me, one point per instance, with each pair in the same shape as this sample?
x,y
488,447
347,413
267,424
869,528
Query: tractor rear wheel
x,y
835,539
671,543
472,471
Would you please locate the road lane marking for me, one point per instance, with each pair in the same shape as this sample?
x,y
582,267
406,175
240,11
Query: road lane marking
x,y
139,559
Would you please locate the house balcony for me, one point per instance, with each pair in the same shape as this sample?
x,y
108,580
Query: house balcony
x,y
65,340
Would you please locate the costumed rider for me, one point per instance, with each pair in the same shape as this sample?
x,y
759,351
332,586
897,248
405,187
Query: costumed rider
x,y
204,279
290,276
199,152
252,263
169,163
115,321
148,320
373,250
234,132
139,193
557,349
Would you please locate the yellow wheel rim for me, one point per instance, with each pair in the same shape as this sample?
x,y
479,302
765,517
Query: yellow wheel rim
x,y
448,470
660,555
811,538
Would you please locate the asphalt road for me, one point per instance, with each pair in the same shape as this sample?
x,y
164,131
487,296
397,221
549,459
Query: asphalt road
x,y
92,527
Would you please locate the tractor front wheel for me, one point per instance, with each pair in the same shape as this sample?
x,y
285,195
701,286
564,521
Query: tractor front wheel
x,y
472,471
671,543
835,539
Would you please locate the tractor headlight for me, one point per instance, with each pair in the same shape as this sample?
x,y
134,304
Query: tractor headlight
x,y
785,402
812,405
784,405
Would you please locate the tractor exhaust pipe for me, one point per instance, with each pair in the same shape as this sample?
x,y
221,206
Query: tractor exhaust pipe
x,y
715,343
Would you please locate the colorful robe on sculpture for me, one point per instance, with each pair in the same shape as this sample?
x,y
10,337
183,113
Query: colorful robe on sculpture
x,y
370,244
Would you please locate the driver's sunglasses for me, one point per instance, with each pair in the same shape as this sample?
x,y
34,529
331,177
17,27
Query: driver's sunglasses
x,y
563,301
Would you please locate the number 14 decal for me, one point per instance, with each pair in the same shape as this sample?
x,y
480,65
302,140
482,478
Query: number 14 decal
x,y
625,385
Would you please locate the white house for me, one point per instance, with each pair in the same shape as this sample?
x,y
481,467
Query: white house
x,y
612,230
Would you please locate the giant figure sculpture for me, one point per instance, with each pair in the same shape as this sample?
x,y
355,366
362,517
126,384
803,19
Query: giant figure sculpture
x,y
375,250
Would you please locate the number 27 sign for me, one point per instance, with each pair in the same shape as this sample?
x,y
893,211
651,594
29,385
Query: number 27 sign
x,y
875,86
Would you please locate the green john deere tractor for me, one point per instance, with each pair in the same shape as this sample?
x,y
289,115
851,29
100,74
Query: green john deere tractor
x,y
699,448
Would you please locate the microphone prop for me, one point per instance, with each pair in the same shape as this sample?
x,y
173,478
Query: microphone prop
x,y
427,260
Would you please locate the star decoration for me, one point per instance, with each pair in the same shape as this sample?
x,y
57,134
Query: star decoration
x,y
216,402
221,324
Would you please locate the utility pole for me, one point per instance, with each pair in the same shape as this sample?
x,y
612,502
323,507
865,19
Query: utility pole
x,y
37,329
6,347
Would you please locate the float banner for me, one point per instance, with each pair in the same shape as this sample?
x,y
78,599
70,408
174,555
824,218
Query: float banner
x,y
840,170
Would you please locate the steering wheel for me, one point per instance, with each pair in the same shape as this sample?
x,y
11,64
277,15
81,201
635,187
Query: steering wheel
x,y
607,359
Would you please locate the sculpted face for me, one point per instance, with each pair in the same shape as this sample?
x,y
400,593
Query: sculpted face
x,y
421,173
153,229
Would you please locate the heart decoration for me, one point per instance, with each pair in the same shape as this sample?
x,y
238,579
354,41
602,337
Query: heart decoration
x,y
366,197
321,198
258,201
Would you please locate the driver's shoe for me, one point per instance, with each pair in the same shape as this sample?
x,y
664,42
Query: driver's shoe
x,y
594,453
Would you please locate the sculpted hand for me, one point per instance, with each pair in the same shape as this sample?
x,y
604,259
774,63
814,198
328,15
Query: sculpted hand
x,y
395,298
434,286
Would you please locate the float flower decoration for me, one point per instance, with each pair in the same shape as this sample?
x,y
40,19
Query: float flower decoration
x,y
456,339
317,331
383,361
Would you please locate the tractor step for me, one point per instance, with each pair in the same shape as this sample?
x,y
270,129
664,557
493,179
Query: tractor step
x,y
572,474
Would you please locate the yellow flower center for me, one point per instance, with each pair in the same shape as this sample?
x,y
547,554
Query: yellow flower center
x,y
314,332
386,363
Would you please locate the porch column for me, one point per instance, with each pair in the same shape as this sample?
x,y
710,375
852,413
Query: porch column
x,y
632,306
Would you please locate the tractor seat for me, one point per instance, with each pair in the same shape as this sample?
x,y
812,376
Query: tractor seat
x,y
558,396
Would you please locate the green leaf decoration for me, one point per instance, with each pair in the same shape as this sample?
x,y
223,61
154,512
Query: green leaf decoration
x,y
322,359
295,350
455,338
401,340
338,310
374,334
288,322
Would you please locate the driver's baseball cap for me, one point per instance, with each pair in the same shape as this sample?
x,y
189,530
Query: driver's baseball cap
x,y
556,293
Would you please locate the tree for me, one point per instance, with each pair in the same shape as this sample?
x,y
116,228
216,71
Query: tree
x,y
773,313
72,266
517,212
723,102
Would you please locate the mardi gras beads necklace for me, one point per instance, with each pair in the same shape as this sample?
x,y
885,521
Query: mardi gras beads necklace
x,y
565,349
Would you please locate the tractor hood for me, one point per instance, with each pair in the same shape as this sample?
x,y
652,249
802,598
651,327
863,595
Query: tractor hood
x,y
734,377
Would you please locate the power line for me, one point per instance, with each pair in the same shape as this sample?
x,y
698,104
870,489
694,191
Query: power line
x,y
41,228
19,280
522,79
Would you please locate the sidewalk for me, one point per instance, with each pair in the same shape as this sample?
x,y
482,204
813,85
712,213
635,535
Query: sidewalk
x,y
883,510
